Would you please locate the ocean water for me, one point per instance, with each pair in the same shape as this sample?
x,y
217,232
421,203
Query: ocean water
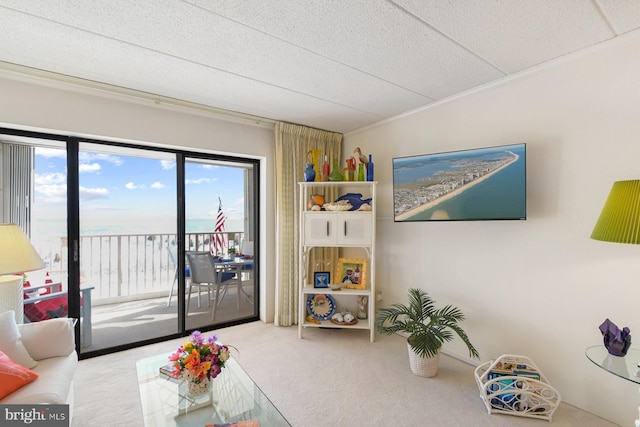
x,y
46,228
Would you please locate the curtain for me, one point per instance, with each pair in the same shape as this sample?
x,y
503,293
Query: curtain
x,y
17,167
293,143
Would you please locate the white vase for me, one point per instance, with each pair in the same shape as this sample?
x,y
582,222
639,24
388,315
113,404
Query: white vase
x,y
197,389
423,366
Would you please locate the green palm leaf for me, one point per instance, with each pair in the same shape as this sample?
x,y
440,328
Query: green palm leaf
x,y
428,327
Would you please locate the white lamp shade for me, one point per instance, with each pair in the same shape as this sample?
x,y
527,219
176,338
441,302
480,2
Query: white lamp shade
x,y
17,255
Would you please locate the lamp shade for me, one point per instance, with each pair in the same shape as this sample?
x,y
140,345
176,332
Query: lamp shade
x,y
17,255
619,220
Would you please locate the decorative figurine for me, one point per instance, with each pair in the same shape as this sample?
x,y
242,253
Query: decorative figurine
x,y
616,341
362,306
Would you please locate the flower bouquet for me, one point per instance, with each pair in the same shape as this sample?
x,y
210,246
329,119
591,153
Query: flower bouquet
x,y
199,360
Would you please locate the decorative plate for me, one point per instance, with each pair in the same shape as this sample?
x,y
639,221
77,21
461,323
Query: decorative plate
x,y
321,306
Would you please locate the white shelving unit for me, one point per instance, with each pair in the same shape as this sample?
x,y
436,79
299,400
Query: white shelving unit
x,y
342,229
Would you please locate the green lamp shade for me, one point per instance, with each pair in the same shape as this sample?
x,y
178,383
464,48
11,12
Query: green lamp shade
x,y
619,220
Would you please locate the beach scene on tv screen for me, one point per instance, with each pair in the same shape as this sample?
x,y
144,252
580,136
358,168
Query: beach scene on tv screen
x,y
480,184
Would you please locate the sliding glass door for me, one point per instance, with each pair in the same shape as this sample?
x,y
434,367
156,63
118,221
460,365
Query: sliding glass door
x,y
128,217
113,223
219,212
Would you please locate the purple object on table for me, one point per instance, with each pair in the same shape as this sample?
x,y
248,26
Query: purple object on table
x,y
616,341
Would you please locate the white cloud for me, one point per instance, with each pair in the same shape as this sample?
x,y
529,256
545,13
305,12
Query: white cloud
x,y
157,185
49,178
87,157
198,181
132,186
51,193
51,152
93,193
167,164
89,167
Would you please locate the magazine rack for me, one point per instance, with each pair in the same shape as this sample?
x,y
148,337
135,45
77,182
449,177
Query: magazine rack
x,y
514,385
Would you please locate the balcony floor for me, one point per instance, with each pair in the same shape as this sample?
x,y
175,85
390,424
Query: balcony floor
x,y
142,319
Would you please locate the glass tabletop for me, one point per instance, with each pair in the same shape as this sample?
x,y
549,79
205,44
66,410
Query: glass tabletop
x,y
623,367
234,397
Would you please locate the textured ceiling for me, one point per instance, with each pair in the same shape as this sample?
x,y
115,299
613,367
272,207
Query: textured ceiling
x,y
331,64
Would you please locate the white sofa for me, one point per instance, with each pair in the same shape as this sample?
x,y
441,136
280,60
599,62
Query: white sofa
x,y
48,349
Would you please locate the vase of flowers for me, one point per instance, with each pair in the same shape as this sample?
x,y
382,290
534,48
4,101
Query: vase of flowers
x,y
198,361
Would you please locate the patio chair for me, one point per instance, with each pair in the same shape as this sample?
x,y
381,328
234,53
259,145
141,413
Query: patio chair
x,y
205,274
173,255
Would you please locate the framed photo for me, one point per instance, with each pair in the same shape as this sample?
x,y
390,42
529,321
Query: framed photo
x,y
352,273
321,279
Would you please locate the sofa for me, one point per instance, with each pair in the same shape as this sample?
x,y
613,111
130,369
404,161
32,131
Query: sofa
x,y
37,361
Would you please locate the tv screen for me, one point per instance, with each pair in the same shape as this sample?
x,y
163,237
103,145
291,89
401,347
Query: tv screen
x,y
469,185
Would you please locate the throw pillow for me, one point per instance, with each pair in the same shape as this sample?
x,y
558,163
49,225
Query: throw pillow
x,y
13,376
49,338
11,341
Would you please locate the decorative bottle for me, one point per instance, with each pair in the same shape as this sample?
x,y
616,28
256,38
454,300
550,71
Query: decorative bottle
x,y
361,172
370,169
351,169
325,169
309,173
335,173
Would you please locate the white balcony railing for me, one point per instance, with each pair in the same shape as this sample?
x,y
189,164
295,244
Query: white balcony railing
x,y
125,267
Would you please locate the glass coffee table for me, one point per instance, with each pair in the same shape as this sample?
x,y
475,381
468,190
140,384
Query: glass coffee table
x,y
234,397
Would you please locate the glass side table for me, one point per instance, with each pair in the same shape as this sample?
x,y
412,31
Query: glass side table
x,y
624,367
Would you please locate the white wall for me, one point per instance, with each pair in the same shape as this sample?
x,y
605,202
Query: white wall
x,y
538,287
55,107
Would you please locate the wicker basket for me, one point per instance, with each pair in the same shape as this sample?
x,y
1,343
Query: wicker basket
x,y
423,366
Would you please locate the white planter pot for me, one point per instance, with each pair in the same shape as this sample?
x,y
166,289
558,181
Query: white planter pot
x,y
423,366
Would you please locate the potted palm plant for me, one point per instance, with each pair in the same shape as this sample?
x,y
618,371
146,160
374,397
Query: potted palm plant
x,y
427,328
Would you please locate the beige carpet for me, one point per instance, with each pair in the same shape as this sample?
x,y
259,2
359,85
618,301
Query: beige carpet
x,y
331,377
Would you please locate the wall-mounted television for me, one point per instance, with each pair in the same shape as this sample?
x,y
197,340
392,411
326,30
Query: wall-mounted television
x,y
469,185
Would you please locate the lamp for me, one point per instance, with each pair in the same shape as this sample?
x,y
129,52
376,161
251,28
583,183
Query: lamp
x,y
17,255
619,220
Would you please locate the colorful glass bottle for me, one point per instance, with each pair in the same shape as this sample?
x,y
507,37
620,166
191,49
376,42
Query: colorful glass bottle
x,y
335,173
325,169
370,169
361,172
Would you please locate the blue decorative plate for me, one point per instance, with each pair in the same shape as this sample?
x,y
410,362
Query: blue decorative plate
x,y
321,306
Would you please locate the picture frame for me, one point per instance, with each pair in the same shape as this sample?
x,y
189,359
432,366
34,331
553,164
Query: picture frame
x,y
321,279
352,273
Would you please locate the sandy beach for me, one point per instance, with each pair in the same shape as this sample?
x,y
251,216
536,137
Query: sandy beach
x,y
433,203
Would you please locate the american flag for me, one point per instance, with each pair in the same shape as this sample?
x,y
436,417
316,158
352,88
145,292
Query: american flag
x,y
219,240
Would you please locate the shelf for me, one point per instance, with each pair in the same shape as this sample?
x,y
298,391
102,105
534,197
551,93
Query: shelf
x,y
309,289
362,324
336,183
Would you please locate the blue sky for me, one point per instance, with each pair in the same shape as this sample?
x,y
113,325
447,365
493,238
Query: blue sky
x,y
116,189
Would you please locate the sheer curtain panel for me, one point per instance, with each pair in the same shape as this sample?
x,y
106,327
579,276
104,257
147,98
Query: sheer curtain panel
x,y
293,142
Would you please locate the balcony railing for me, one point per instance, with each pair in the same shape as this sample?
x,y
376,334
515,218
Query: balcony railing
x,y
124,267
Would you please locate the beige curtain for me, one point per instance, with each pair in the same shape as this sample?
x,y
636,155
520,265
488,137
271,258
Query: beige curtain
x,y
293,142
